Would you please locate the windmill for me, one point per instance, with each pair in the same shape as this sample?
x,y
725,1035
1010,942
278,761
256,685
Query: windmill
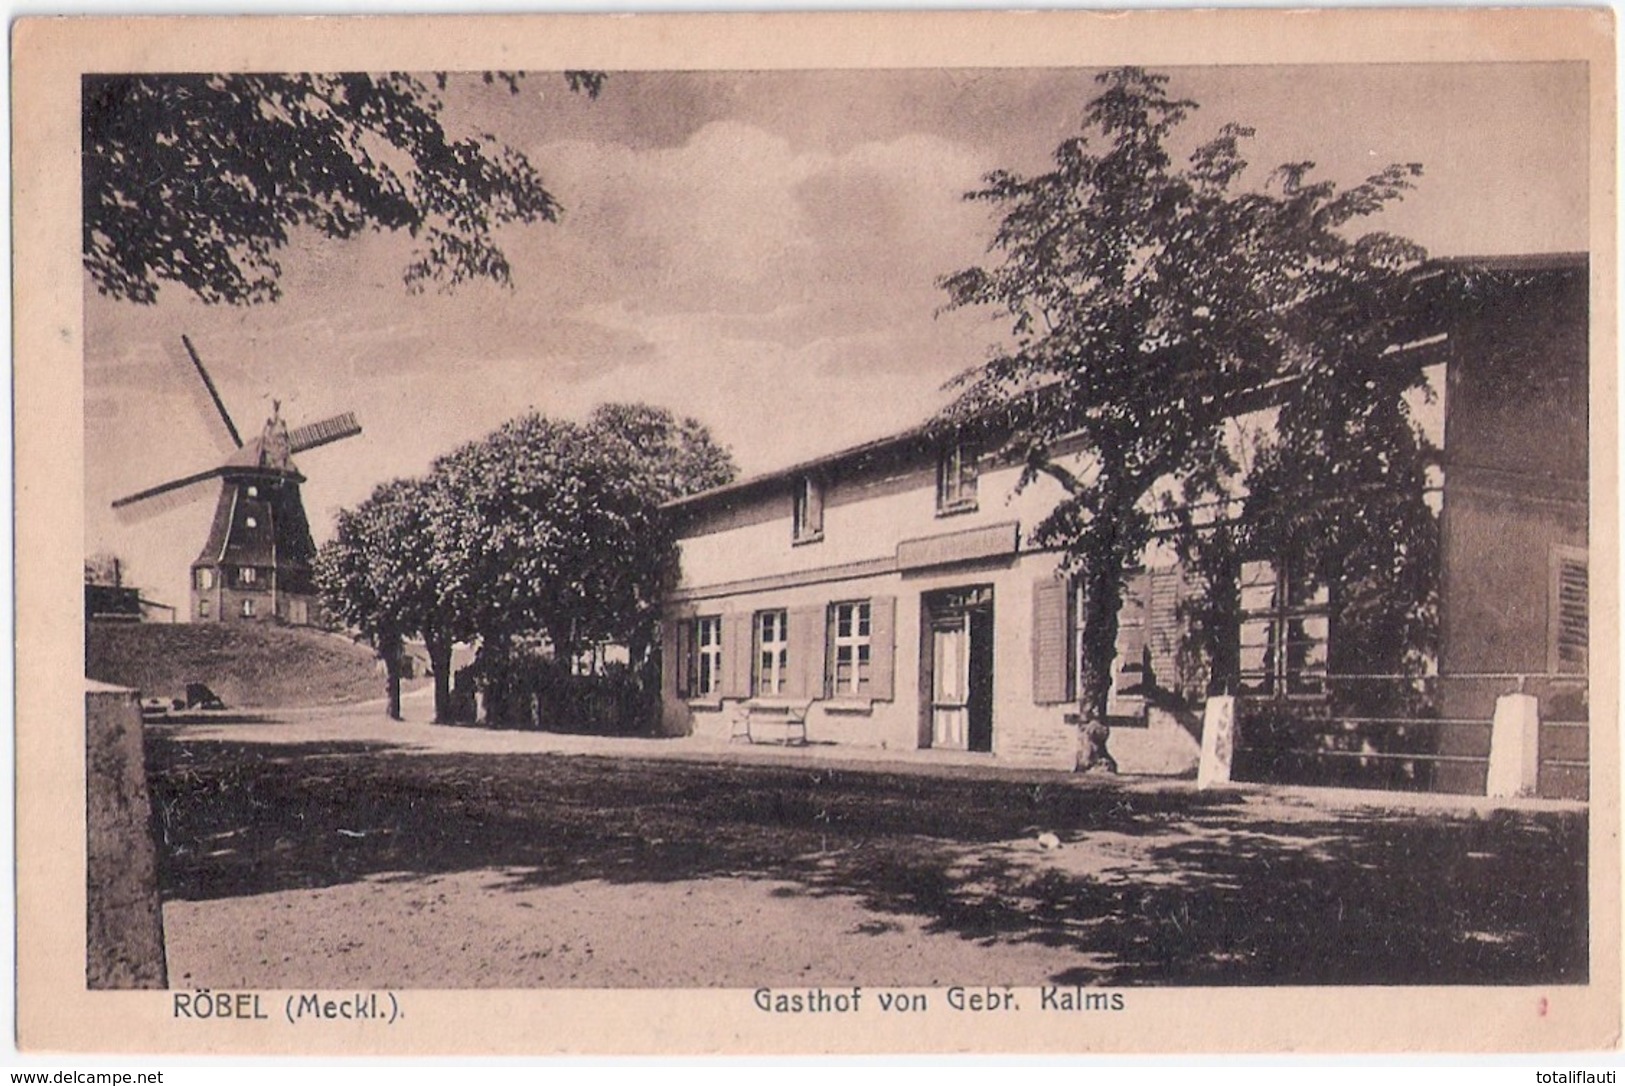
x,y
256,564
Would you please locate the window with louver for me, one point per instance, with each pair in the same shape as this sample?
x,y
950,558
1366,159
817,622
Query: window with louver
x,y
1569,612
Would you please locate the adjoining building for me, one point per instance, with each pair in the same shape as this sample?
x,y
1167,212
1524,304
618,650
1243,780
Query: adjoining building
x,y
889,595
1515,594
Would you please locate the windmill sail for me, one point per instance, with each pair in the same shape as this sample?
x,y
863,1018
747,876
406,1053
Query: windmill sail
x,y
214,394
148,503
324,432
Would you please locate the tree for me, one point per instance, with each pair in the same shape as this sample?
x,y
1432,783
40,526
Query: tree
x,y
1150,303
663,458
1338,492
199,179
547,527
106,568
378,576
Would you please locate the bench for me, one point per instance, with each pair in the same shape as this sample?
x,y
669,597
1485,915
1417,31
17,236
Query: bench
x,y
752,718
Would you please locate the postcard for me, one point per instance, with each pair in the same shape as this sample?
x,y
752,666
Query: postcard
x,y
819,533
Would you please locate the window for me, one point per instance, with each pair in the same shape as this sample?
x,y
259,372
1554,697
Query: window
x,y
248,608
772,652
1285,628
956,479
247,575
850,656
251,522
253,492
809,510
205,579
202,608
1568,612
705,657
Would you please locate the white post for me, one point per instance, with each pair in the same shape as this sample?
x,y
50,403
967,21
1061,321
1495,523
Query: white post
x,y
1514,747
1218,742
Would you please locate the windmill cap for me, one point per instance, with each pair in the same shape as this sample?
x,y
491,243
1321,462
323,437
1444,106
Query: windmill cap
x,y
256,456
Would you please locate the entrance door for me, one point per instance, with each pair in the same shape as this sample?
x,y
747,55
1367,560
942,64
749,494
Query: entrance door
x,y
950,682
959,656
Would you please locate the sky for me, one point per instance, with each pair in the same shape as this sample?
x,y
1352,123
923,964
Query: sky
x,y
759,250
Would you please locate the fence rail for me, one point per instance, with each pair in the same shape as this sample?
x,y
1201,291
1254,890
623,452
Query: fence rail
x,y
1357,732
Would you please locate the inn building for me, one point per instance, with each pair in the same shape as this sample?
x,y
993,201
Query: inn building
x,y
890,595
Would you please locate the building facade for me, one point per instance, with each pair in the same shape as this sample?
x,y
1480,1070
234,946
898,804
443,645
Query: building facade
x,y
891,595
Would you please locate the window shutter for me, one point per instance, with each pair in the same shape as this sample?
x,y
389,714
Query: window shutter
x,y
673,666
736,654
1051,673
815,505
1129,672
687,653
807,633
882,646
1571,612
1164,633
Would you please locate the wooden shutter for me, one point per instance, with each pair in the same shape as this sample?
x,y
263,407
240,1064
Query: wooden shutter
x,y
1164,632
815,505
672,664
1052,636
807,634
736,654
882,647
1570,612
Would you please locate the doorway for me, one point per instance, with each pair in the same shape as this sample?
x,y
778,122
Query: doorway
x,y
956,660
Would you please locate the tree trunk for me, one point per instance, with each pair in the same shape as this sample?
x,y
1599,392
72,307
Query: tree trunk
x,y
564,648
389,650
495,671
1104,576
439,646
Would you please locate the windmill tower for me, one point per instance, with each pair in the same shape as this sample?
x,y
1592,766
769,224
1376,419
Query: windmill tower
x,y
255,565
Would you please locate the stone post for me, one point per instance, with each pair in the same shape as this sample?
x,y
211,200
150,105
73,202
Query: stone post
x,y
125,933
1218,742
1514,747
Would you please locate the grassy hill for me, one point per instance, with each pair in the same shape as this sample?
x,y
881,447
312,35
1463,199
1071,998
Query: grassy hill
x,y
248,665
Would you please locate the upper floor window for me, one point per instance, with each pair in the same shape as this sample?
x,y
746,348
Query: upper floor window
x,y
247,575
849,640
772,652
705,657
956,478
205,579
808,520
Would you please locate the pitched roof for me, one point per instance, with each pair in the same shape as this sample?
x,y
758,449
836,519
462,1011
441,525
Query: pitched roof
x,y
930,431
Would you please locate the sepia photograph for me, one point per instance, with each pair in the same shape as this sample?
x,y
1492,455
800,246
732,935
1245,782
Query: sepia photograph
x,y
983,542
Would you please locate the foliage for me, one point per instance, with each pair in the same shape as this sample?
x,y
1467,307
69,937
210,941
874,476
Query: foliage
x,y
549,526
200,179
376,576
1148,304
106,568
1340,489
544,528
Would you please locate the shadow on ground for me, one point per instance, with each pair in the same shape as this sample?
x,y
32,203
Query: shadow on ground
x,y
1169,886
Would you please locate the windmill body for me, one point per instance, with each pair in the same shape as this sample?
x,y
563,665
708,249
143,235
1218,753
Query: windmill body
x,y
255,565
